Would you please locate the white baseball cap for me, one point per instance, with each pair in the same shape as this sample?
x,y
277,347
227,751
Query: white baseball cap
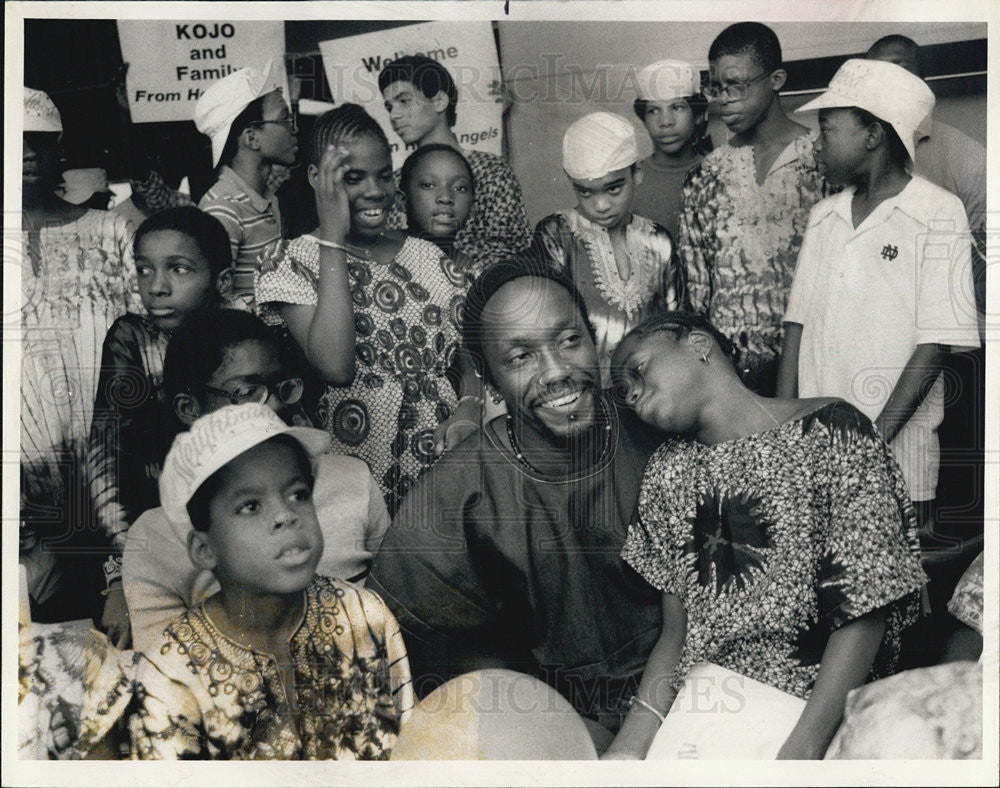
x,y
887,91
597,144
666,80
40,114
226,98
78,186
215,439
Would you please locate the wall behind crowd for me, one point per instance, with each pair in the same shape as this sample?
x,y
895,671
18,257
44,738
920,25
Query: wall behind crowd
x,y
555,72
558,71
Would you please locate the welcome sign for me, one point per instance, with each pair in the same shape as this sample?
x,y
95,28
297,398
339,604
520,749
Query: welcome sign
x,y
466,49
190,56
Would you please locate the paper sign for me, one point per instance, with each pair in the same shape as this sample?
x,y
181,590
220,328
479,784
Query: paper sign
x,y
171,62
467,49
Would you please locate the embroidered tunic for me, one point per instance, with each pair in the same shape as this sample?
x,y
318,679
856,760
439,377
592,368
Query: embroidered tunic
x,y
203,695
571,243
775,540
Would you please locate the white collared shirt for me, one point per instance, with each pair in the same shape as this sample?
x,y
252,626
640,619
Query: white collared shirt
x,y
867,296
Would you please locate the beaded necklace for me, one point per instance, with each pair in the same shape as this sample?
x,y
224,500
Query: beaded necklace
x,y
524,460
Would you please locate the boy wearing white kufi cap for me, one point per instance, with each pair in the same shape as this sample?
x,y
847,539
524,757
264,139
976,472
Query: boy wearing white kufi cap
x,y
622,263
252,129
884,278
670,105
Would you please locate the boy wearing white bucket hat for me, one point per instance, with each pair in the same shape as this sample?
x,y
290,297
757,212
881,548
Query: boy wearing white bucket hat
x,y
259,670
622,263
883,283
251,128
670,105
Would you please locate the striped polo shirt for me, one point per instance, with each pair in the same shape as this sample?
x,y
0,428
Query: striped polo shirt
x,y
252,221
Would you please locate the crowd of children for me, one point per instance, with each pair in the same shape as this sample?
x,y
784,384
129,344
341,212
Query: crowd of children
x,y
781,307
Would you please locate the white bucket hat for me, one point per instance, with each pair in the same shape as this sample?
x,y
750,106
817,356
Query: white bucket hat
x,y
40,114
226,98
666,80
215,439
887,91
597,144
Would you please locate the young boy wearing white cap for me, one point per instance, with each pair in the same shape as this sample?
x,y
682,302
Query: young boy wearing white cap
x,y
883,283
251,129
673,111
280,663
622,263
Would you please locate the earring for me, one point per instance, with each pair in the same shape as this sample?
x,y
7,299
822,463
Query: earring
x,y
704,358
494,394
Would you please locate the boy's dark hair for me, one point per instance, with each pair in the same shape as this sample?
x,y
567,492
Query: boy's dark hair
x,y
348,121
199,346
897,150
204,229
198,506
411,162
699,107
485,287
752,38
425,74
253,113
895,39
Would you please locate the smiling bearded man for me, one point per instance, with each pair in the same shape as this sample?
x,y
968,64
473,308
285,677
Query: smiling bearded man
x,y
506,552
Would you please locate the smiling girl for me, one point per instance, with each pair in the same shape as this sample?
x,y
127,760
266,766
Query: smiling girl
x,y
375,312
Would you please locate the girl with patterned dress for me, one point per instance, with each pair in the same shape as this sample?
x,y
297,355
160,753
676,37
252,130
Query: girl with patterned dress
x,y
782,537
375,312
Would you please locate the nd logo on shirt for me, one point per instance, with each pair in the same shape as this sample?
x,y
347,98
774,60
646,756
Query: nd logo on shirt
x,y
890,252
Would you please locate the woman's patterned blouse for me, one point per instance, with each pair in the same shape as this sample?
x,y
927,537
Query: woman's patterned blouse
x,y
774,540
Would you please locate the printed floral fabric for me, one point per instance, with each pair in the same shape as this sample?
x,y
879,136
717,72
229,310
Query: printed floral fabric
x,y
571,243
407,319
930,713
497,225
76,280
131,428
205,696
73,687
739,241
774,540
967,602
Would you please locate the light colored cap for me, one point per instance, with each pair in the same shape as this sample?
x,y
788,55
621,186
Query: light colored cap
x,y
887,91
40,114
215,439
666,80
597,144
78,186
226,98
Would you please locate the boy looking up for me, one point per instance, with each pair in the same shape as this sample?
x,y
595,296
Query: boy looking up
x,y
745,207
279,664
251,129
420,97
884,279
621,263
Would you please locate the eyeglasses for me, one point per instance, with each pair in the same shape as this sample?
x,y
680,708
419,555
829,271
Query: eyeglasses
x,y
288,391
288,123
735,91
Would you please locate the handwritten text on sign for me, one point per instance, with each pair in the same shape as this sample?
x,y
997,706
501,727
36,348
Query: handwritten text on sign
x,y
466,49
189,56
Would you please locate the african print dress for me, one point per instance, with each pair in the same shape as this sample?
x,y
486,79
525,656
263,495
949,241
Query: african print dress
x,y
406,315
774,540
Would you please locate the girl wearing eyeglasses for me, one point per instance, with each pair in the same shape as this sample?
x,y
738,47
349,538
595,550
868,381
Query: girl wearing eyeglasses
x,y
231,357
